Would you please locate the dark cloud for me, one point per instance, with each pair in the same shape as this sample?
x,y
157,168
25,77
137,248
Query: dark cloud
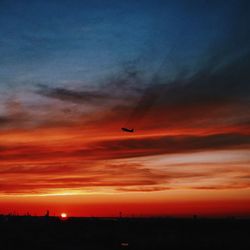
x,y
5,120
41,169
143,189
126,148
15,115
75,96
222,93
166,145
119,86
223,186
14,120
217,87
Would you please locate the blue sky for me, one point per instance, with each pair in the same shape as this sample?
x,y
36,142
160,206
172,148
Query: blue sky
x,y
82,45
67,42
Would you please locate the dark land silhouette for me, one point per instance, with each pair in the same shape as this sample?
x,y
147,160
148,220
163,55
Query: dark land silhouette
x,y
31,232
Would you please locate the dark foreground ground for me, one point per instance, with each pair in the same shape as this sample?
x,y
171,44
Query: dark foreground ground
x,y
135,233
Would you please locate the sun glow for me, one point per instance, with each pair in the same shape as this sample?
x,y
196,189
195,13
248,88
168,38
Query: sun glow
x,y
64,216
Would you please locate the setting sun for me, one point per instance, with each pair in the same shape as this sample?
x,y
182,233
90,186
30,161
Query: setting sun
x,y
64,215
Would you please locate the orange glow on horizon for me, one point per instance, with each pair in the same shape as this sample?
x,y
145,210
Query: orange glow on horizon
x,y
81,169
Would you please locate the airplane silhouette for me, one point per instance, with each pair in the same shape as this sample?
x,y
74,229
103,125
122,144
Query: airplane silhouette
x,y
127,130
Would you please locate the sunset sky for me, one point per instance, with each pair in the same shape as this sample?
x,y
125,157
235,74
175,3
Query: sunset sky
x,y
72,73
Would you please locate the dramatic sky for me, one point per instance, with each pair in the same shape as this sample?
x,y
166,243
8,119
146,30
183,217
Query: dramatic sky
x,y
72,73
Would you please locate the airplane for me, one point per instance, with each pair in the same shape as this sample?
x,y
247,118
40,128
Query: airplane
x,y
128,130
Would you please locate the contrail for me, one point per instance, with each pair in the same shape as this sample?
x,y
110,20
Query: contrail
x,y
150,95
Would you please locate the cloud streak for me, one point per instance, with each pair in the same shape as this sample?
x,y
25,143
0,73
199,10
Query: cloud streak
x,y
75,96
125,148
133,176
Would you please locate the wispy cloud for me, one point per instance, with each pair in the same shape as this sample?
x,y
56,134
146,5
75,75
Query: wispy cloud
x,y
137,175
75,96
